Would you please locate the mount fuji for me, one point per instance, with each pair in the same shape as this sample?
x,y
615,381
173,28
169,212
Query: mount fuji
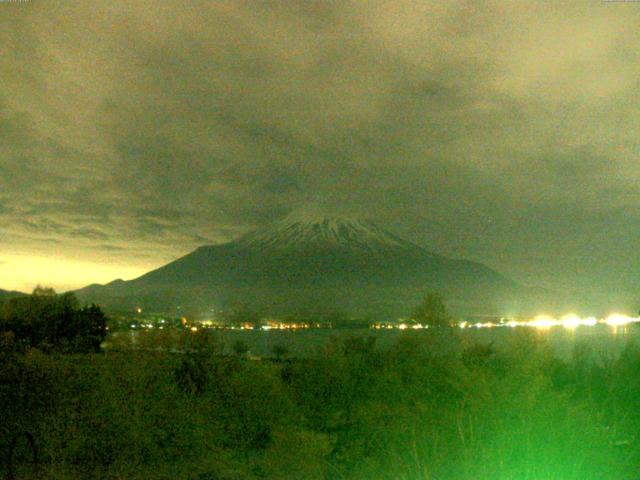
x,y
311,266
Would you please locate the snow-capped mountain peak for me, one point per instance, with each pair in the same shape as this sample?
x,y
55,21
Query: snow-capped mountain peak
x,y
299,232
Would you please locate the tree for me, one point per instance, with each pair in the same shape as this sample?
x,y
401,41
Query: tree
x,y
432,311
41,291
89,329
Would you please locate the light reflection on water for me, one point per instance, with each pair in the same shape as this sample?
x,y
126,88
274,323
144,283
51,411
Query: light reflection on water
x,y
603,341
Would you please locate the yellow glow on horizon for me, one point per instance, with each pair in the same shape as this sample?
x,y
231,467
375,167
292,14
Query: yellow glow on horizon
x,y
24,272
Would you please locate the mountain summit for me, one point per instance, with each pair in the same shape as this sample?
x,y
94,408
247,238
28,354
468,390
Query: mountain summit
x,y
310,265
326,233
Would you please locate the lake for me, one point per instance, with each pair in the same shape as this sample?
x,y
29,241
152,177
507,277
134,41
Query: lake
x,y
603,341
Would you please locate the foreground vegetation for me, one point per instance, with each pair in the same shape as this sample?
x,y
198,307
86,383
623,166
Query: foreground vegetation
x,y
351,411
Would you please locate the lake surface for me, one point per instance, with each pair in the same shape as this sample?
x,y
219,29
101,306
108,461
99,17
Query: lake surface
x,y
602,341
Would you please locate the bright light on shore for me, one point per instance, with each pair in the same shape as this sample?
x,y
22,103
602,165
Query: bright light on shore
x,y
543,321
570,321
618,319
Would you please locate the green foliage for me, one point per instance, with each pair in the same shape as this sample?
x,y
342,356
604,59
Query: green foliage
x,y
26,387
197,365
193,373
279,351
240,347
352,411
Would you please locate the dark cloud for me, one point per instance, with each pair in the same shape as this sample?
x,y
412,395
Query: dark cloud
x,y
495,131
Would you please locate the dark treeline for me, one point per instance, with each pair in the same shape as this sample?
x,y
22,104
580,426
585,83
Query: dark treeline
x,y
350,411
51,322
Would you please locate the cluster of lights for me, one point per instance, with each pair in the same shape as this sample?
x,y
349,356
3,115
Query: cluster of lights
x,y
250,326
399,326
569,321
212,326
284,326
415,326
146,326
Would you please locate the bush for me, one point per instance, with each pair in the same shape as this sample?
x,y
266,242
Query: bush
x,y
352,411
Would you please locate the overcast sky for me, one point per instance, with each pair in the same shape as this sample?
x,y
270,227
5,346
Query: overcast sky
x,y
505,132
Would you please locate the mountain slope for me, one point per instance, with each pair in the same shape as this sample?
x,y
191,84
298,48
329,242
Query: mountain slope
x,y
315,265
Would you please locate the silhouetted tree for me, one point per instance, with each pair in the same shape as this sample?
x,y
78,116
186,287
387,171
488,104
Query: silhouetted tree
x,y
338,319
48,321
41,291
432,311
90,328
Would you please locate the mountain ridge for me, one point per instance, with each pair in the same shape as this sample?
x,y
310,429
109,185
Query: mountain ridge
x,y
9,294
310,264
